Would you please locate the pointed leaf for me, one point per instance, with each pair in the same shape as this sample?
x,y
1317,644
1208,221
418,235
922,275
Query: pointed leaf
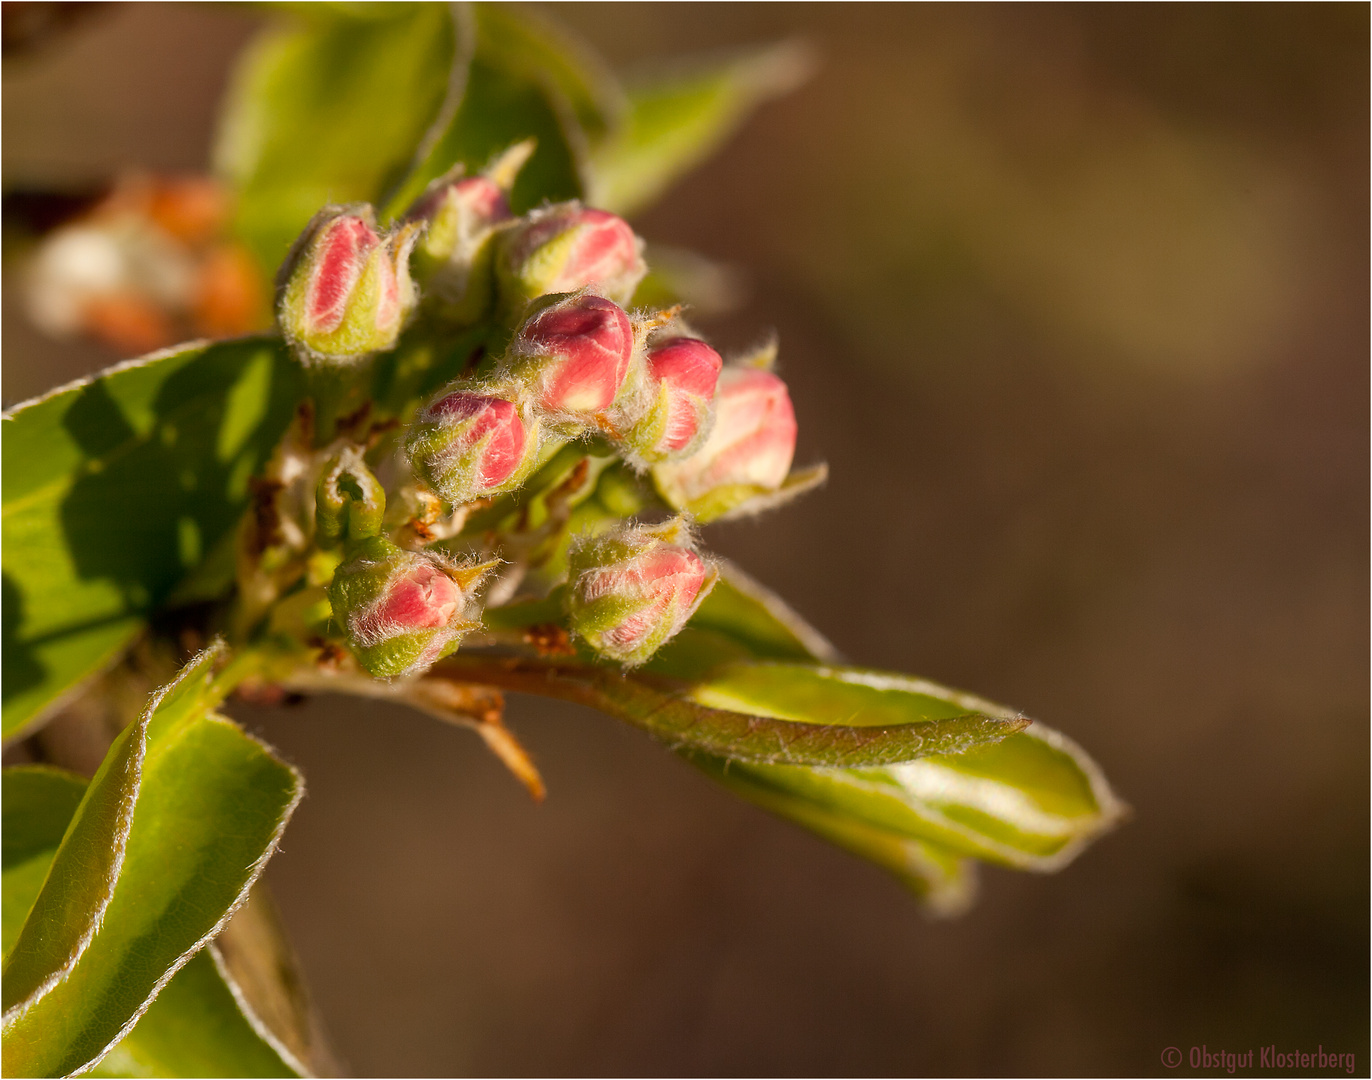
x,y
115,487
678,119
834,720
1032,801
209,807
331,110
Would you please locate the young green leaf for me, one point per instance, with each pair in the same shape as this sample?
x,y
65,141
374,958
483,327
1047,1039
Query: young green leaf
x,y
105,935
676,120
843,727
1032,801
331,110
196,1026
116,487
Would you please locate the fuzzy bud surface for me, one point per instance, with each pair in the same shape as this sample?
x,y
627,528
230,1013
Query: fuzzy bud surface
x,y
681,375
632,589
347,290
748,452
454,258
566,248
401,610
467,443
575,353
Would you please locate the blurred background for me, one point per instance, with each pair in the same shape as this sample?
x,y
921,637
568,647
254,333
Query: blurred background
x,y
1073,300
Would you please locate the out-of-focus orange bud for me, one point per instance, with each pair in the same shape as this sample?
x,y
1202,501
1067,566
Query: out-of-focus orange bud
x,y
230,295
191,208
128,322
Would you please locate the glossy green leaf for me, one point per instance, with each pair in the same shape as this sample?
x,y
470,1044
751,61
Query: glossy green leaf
x,y
851,725
331,110
209,806
1031,801
114,489
677,119
196,1026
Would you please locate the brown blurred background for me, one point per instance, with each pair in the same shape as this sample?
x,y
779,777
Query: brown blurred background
x,y
1074,302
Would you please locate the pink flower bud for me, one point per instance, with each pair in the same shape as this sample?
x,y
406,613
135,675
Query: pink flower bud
x,y
347,290
566,248
675,404
577,353
467,444
634,588
402,610
748,451
420,598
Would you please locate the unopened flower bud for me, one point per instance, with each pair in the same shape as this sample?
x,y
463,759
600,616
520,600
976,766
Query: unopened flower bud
x,y
350,502
633,588
575,354
467,443
748,452
566,248
676,401
454,259
402,610
346,289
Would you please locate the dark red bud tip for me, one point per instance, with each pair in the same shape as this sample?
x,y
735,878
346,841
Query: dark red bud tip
x,y
343,246
586,343
421,599
481,415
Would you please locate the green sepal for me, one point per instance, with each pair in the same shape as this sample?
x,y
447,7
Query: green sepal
x,y
349,502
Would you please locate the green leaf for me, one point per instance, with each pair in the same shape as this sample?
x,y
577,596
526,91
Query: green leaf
x,y
498,109
678,119
846,724
195,1027
115,488
331,110
517,39
1031,801
143,878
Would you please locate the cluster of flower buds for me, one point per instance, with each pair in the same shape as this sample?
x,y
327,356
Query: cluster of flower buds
x,y
576,363
633,588
346,290
403,610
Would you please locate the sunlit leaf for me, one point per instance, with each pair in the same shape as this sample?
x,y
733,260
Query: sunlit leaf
x,y
106,933
114,489
677,119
